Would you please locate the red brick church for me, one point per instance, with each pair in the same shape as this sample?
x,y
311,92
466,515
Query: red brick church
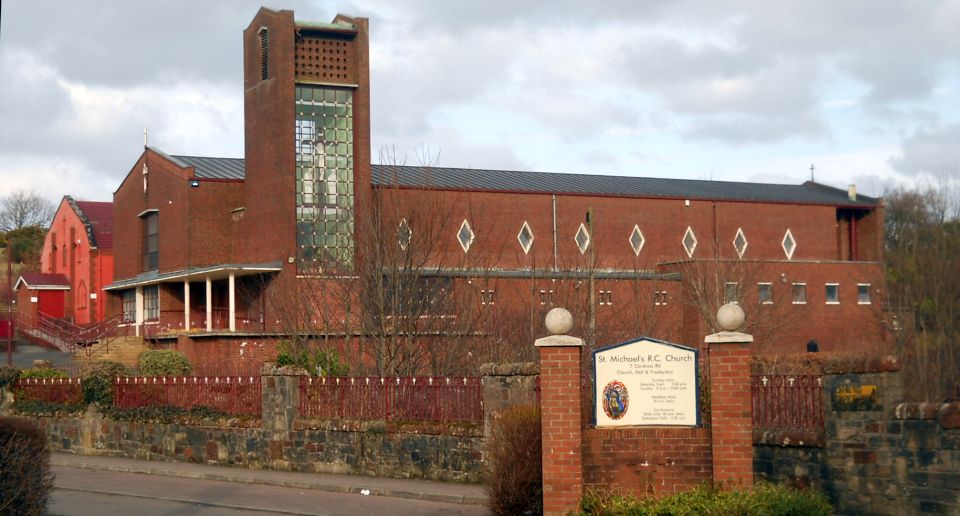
x,y
410,268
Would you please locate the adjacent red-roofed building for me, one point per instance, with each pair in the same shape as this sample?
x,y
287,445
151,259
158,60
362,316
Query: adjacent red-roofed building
x,y
41,293
78,259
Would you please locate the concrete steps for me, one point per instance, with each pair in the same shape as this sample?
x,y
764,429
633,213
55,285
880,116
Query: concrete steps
x,y
116,349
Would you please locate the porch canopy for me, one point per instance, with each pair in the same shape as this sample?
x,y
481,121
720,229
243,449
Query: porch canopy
x,y
208,275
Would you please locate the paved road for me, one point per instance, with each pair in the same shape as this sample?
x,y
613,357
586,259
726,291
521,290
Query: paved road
x,y
83,492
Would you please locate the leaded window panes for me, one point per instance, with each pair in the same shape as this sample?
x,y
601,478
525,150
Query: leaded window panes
x,y
151,241
129,305
324,177
525,237
151,303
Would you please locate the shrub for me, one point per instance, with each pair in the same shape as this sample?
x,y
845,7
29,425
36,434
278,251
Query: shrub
x,y
514,481
316,360
163,362
762,500
43,372
25,478
96,381
40,407
8,376
164,413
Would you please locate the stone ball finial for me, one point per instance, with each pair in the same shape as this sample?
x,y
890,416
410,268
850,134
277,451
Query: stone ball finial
x,y
730,317
559,321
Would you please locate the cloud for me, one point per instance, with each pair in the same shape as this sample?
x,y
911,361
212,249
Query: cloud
x,y
503,84
933,152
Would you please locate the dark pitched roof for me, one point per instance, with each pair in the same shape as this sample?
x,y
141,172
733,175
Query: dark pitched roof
x,y
212,168
617,186
442,178
98,219
38,280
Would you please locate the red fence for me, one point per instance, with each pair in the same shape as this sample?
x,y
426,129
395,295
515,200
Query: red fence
x,y
787,402
438,399
237,395
53,390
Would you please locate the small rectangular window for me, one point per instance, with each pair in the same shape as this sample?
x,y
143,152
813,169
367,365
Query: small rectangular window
x,y
660,297
129,305
863,293
151,303
605,297
546,297
765,293
487,297
151,241
730,292
799,293
832,291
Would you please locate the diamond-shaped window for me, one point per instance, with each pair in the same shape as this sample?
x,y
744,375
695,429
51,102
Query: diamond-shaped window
x,y
740,242
637,240
583,238
404,234
465,236
689,242
525,237
789,244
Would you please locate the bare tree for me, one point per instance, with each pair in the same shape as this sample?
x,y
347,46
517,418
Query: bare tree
x,y
709,284
922,245
24,208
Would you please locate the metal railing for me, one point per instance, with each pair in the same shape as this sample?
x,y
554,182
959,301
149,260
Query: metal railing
x,y
237,395
787,402
52,390
65,334
434,399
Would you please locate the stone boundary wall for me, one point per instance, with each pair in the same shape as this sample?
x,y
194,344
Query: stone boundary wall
x,y
360,449
281,440
879,456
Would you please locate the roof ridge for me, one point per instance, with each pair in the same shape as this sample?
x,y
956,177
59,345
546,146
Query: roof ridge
x,y
584,174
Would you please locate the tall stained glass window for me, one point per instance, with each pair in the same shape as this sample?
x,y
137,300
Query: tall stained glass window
x,y
324,150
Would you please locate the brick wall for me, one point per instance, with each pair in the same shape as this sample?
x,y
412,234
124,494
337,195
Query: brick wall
x,y
647,461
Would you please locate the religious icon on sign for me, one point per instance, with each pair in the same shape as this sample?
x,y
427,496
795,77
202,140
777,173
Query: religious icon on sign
x,y
615,399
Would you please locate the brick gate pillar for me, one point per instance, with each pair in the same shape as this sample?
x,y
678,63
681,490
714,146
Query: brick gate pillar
x,y
731,410
560,415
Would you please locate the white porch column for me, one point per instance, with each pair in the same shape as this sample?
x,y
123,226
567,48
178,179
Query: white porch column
x,y
186,304
139,310
232,299
209,305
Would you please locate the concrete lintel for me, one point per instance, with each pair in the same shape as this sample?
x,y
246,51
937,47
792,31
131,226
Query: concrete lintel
x,y
729,337
558,341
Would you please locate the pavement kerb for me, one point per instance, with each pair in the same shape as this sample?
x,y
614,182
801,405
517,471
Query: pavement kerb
x,y
315,483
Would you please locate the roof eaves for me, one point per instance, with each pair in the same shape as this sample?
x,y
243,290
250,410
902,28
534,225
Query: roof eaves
x,y
91,237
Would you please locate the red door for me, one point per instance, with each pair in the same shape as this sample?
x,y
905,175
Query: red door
x,y
51,302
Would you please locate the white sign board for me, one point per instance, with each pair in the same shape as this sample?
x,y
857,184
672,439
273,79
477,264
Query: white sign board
x,y
646,382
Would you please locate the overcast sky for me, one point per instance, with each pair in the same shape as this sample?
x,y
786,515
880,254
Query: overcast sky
x,y
867,91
